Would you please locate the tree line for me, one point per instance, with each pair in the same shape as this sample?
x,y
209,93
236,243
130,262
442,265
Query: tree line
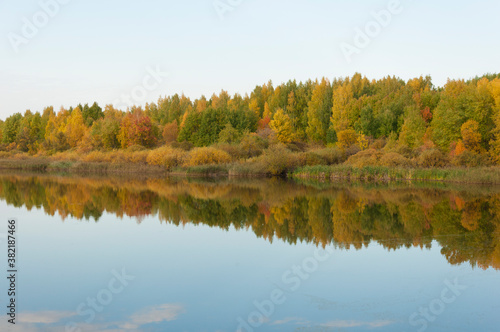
x,y
461,117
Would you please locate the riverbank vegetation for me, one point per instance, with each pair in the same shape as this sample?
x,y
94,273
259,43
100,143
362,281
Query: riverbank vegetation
x,y
380,129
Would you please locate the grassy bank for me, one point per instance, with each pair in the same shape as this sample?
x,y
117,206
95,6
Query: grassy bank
x,y
46,165
479,175
325,163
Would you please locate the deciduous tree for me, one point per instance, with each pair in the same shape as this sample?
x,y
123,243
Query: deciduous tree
x,y
471,137
75,128
319,112
282,126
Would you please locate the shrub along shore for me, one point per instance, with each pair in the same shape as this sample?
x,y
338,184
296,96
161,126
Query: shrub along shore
x,y
378,163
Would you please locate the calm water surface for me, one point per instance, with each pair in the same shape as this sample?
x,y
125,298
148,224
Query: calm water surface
x,y
108,254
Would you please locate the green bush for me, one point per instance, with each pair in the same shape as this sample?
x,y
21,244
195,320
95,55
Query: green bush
x,y
229,135
405,151
252,145
186,146
60,166
470,159
233,150
278,160
297,146
393,159
364,158
378,144
247,168
332,156
208,170
310,159
351,151
432,158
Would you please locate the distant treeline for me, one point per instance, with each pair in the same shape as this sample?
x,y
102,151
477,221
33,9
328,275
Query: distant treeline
x,y
460,119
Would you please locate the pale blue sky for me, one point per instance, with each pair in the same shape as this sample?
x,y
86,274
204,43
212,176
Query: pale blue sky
x,y
98,50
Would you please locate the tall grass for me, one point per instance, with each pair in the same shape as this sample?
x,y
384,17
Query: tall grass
x,y
480,175
277,160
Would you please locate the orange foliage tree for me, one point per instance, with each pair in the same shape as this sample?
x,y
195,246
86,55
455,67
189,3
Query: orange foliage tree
x,y
138,129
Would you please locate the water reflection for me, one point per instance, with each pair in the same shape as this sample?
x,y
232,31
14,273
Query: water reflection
x,y
465,222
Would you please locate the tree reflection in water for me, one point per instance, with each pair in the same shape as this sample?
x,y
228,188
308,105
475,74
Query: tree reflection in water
x,y
464,221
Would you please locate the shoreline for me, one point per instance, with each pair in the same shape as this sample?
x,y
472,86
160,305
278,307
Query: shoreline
x,y
335,173
473,175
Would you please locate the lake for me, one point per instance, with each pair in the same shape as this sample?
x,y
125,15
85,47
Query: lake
x,y
147,254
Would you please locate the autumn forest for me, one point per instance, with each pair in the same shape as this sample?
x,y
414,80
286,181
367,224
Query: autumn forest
x,y
277,129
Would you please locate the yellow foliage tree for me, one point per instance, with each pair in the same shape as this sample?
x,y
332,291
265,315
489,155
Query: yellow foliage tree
x,y
494,88
201,104
346,138
282,126
55,130
184,119
254,106
319,111
75,128
51,130
342,97
470,136
362,142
